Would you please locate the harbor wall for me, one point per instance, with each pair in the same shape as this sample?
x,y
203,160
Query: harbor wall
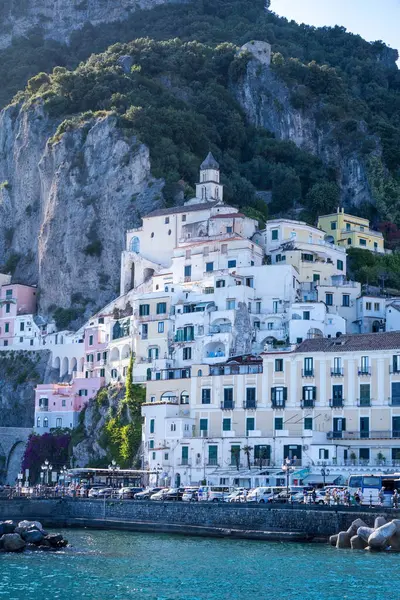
x,y
240,520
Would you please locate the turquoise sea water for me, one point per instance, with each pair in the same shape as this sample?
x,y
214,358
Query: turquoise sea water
x,y
104,565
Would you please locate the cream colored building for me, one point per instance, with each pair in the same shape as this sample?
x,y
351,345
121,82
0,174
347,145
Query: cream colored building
x,y
332,402
351,231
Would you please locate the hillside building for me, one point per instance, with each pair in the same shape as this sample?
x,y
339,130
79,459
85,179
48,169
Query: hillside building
x,y
351,232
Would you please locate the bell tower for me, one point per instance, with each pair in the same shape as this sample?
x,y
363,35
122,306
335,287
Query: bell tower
x,y
209,189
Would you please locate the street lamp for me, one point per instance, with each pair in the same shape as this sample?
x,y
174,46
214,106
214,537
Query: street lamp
x,y
64,473
46,468
324,472
286,468
113,468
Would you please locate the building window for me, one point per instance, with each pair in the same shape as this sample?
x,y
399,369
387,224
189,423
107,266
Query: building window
x,y
7,328
377,306
152,353
229,230
144,310
275,306
316,277
250,424
38,422
308,367
173,426
364,454
183,218
278,365
278,396
362,242
161,308
8,305
220,283
166,455
346,300
368,306
231,264
187,353
22,326
206,396
375,246
8,293
323,454
160,327
152,425
188,270
166,221
45,422
307,257
226,424
275,234
309,394
329,299
230,304
278,424
333,225
209,267
102,372
151,444
306,315
203,424
339,264
270,325
114,373
90,340
365,394
308,423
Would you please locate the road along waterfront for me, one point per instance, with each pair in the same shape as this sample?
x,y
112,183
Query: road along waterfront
x,y
105,565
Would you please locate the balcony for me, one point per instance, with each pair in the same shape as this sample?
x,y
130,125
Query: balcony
x,y
172,374
336,402
236,369
212,462
307,403
184,462
250,404
278,404
394,370
364,402
337,372
43,408
227,405
361,435
220,329
307,373
364,371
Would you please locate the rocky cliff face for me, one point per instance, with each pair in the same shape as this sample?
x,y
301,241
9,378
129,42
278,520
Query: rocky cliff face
x,y
19,374
65,204
58,18
266,101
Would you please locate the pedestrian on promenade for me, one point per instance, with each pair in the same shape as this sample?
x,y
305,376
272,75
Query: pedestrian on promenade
x,y
395,499
381,496
314,496
305,496
327,497
358,497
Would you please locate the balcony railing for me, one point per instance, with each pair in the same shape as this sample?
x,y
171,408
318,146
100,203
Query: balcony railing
x,y
364,401
236,370
337,372
250,404
394,370
184,462
227,405
278,404
360,435
307,373
307,403
336,402
173,374
364,370
212,462
220,329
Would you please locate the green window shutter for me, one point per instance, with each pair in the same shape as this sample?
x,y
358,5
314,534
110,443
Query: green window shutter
x,y
278,423
250,424
308,423
212,454
185,452
285,393
273,394
203,424
226,425
152,425
314,395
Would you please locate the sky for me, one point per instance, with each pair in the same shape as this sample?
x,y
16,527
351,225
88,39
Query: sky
x,y
372,19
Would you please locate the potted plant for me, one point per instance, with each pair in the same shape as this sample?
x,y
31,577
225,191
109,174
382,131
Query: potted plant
x,y
353,457
381,458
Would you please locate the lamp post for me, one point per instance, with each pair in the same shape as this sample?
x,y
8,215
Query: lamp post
x,y
113,468
46,468
324,472
64,473
286,468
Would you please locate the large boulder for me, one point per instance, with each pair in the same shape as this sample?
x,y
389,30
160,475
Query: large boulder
x,y
12,542
333,539
380,537
365,532
8,526
56,540
352,530
357,543
30,525
379,521
32,536
343,540
394,542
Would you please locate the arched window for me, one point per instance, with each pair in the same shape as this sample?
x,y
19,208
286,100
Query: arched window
x,y
38,422
199,373
185,398
135,245
349,241
114,373
45,422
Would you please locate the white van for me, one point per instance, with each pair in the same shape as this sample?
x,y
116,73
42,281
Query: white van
x,y
213,493
263,494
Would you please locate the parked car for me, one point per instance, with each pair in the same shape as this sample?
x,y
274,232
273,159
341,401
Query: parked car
x,y
214,493
263,494
281,498
105,493
94,491
127,493
238,495
145,495
160,495
190,494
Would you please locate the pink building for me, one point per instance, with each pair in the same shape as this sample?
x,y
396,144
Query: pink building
x,y
59,404
96,343
16,300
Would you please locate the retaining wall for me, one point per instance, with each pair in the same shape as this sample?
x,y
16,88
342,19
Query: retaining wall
x,y
182,517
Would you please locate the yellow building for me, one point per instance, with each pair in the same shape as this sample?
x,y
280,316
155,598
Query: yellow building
x,y
350,231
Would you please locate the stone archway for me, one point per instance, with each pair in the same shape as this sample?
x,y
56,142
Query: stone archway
x,y
14,462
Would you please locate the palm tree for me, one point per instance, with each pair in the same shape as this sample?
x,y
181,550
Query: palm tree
x,y
235,451
247,450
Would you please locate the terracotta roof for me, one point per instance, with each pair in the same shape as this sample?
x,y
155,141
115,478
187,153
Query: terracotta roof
x,y
229,216
181,209
389,340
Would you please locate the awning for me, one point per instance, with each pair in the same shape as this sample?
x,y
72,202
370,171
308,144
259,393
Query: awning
x,y
317,478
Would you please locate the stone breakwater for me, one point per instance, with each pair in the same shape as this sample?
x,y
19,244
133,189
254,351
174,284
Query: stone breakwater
x,y
384,535
28,535
203,518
